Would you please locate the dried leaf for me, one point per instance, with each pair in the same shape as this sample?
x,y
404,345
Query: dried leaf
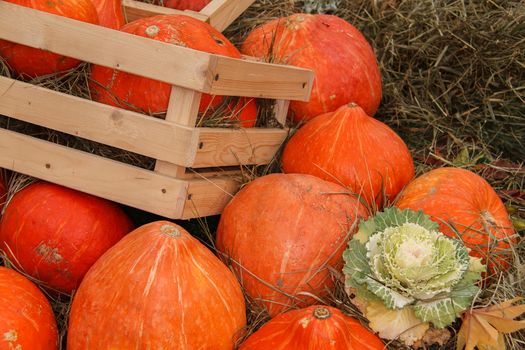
x,y
484,327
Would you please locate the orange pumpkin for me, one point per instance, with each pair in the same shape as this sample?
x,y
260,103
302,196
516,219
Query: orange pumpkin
x,y
110,13
141,94
314,327
35,62
344,63
464,205
353,149
158,288
26,318
193,5
55,234
283,234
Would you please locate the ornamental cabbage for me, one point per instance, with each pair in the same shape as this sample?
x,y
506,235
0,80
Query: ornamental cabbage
x,y
406,275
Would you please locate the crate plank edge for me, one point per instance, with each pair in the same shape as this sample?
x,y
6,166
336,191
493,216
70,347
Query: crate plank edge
x,y
174,142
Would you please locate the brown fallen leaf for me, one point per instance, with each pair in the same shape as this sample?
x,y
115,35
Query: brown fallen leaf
x,y
484,327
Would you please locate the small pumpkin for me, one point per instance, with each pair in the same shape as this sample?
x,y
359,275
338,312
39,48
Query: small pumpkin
x,y
465,206
158,288
31,62
351,148
314,327
110,13
55,234
193,5
283,234
26,318
141,94
345,65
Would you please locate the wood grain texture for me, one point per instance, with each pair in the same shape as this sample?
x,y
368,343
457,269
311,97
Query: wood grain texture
x,y
221,13
168,63
223,147
112,126
135,10
89,173
209,196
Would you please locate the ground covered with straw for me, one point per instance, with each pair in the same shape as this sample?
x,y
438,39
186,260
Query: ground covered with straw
x,y
453,88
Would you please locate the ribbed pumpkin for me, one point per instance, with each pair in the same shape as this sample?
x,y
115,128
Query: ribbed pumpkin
x,y
464,205
353,149
26,318
142,94
55,234
34,62
314,327
344,63
110,13
193,5
158,288
283,233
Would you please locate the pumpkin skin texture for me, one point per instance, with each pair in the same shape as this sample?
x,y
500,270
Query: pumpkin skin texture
x,y
26,318
158,288
312,328
141,94
193,5
31,62
55,234
459,198
110,13
282,231
353,149
344,63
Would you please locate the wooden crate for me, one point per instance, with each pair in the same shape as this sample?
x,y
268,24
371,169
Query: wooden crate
x,y
175,142
218,13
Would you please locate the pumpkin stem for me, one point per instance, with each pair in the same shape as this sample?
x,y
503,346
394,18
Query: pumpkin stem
x,y
322,313
152,31
170,230
352,105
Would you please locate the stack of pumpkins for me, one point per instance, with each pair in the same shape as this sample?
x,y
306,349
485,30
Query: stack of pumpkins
x,y
283,234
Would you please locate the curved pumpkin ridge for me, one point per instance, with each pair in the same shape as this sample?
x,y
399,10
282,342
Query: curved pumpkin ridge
x,y
312,328
355,150
26,318
110,13
156,279
325,44
464,204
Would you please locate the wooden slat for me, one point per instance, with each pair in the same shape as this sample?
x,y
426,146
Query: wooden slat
x,y
222,13
223,147
183,108
233,77
101,177
134,10
112,126
153,59
209,196
281,110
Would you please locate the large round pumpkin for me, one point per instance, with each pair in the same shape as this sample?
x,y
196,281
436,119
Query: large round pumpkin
x,y
33,62
314,327
353,149
141,94
283,234
55,234
26,318
193,5
344,63
110,13
466,206
158,288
